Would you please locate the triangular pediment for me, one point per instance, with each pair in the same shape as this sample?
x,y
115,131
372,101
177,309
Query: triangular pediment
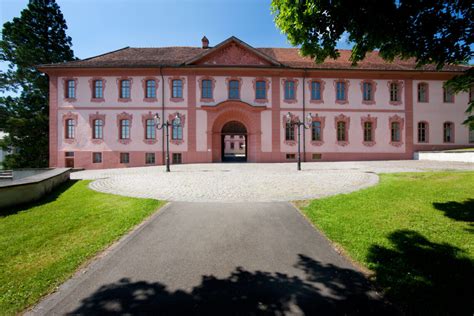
x,y
233,52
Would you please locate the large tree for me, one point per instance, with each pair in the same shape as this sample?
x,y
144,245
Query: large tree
x,y
38,36
431,31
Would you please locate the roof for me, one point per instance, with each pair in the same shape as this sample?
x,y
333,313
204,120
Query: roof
x,y
185,56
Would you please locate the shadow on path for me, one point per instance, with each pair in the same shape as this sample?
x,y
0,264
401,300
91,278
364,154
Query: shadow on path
x,y
328,290
423,277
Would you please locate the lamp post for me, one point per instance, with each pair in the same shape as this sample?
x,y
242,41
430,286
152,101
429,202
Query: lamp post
x,y
165,125
298,123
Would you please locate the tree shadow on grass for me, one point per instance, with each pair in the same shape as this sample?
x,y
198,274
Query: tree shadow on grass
x,y
327,290
424,277
463,211
48,198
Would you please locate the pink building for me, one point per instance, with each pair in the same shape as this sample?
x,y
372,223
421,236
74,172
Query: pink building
x,y
102,108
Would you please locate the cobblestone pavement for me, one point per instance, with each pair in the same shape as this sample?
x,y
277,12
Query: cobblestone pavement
x,y
251,182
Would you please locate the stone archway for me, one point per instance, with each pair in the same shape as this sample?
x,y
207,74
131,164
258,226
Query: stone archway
x,y
245,114
234,142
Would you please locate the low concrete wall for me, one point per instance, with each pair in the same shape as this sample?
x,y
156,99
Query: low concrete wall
x,y
446,156
29,189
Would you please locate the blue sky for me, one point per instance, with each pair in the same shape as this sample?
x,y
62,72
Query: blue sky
x,y
104,25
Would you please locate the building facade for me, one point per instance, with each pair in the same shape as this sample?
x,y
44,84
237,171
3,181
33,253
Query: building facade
x,y
102,109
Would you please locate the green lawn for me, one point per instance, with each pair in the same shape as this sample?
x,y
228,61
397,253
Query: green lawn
x,y
415,231
41,245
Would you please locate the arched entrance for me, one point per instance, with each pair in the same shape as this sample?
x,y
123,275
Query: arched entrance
x,y
234,142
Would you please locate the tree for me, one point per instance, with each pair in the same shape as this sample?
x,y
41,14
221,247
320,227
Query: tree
x,y
38,36
431,31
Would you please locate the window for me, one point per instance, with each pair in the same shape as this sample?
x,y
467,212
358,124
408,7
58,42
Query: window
x,y
124,158
290,156
206,89
98,89
125,89
317,156
471,93
422,92
471,133
96,157
289,90
70,128
232,145
150,158
177,85
98,131
69,154
71,89
150,132
150,89
260,90
289,132
395,132
316,131
177,158
124,129
316,90
340,91
448,95
422,132
341,132
448,132
367,91
234,89
368,132
394,92
177,131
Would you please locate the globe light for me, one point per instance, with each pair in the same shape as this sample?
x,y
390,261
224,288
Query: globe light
x,y
309,119
288,117
157,119
177,119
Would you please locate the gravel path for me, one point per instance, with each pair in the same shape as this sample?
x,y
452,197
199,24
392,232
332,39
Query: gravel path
x,y
251,182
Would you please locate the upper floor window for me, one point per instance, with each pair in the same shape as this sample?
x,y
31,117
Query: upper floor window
x,y
341,93
124,129
422,132
70,124
71,89
316,90
448,95
177,88
260,90
448,132
150,89
423,92
98,92
234,89
394,92
289,132
125,89
206,89
289,90
150,132
368,132
367,91
316,131
98,131
395,133
341,132
177,131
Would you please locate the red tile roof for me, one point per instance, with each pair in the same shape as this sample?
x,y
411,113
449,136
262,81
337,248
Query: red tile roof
x,y
130,57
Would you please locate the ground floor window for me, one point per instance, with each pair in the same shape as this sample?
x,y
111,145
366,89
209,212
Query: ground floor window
x,y
471,132
177,158
422,132
395,132
150,158
289,132
69,154
341,132
290,156
448,132
317,156
96,157
124,157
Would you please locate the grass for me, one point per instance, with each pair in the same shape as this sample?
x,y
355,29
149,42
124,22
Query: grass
x,y
415,231
43,244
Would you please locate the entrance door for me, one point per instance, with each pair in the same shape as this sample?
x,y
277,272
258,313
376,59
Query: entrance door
x,y
234,142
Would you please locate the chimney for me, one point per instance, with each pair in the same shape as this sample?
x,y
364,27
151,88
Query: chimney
x,y
205,42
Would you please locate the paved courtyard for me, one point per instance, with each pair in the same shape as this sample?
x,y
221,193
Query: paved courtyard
x,y
252,182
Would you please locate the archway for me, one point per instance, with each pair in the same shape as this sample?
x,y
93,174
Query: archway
x,y
234,142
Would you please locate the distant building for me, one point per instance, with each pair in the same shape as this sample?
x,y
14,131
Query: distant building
x,y
3,153
102,108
